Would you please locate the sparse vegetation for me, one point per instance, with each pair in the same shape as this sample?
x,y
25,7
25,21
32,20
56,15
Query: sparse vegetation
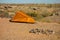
x,y
37,11
10,16
6,15
42,29
32,14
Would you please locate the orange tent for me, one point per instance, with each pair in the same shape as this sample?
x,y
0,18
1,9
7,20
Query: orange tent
x,y
22,17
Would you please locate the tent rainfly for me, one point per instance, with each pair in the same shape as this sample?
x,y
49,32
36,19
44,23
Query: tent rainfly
x,y
22,17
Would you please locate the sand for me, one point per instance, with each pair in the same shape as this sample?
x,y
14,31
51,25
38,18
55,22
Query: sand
x,y
20,31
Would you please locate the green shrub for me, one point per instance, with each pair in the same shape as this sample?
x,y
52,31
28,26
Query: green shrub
x,y
32,14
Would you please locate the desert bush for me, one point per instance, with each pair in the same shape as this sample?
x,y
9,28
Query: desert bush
x,y
10,16
2,14
32,14
45,14
38,17
6,14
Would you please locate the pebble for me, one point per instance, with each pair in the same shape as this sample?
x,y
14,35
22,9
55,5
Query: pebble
x,y
38,31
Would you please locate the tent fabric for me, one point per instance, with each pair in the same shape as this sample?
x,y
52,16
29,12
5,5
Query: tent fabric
x,y
22,17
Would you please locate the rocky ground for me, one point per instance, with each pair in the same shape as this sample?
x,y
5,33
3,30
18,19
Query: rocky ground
x,y
26,31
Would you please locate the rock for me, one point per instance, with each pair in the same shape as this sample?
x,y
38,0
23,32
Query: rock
x,y
32,31
43,31
37,31
49,31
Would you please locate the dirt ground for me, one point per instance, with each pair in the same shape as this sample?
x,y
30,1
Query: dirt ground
x,y
20,31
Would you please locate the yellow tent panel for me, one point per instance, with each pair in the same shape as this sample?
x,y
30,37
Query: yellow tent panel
x,y
22,17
